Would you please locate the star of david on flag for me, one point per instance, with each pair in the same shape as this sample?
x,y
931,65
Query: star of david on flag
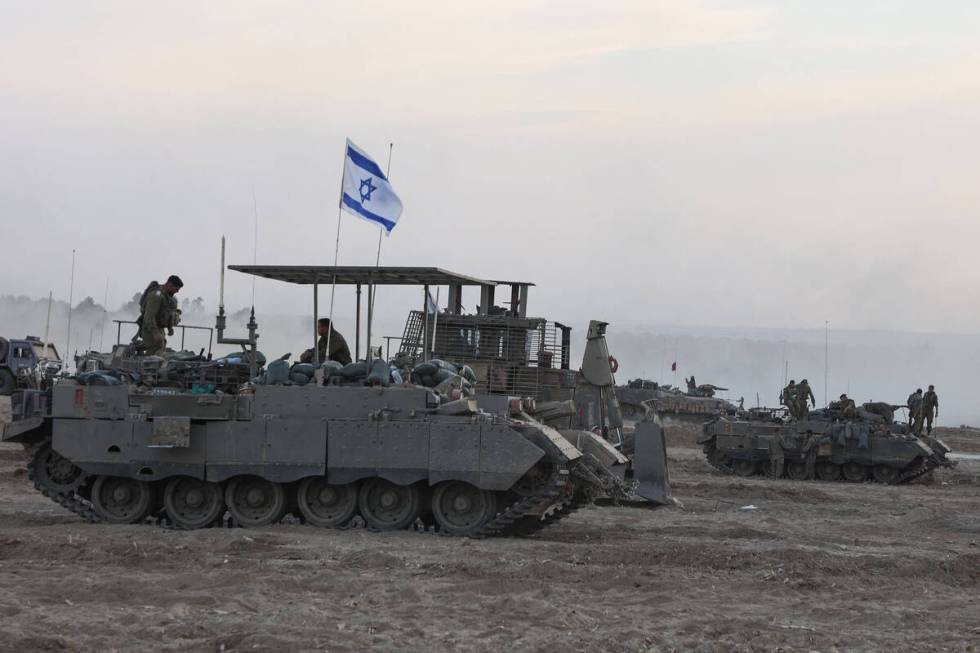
x,y
366,192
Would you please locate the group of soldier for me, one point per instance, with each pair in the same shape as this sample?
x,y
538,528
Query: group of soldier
x,y
159,314
922,407
798,397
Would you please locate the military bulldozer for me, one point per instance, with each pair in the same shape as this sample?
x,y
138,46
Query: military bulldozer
x,y
515,355
134,441
828,444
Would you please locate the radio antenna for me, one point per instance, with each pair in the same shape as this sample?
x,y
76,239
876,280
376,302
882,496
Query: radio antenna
x,y
255,240
71,295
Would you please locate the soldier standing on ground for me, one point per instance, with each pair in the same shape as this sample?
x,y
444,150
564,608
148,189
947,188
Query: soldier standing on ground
x,y
914,402
158,311
339,351
928,409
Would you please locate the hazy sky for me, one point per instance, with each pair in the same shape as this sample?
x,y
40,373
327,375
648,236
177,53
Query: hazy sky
x,y
714,163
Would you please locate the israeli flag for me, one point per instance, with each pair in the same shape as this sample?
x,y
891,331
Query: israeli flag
x,y
366,192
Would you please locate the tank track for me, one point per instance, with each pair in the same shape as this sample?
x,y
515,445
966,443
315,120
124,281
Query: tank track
x,y
905,476
519,519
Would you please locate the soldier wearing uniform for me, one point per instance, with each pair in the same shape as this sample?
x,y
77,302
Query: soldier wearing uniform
x,y
846,406
914,402
928,409
339,351
803,394
788,397
158,311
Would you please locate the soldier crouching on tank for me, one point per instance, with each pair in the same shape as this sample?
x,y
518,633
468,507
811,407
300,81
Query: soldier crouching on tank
x,y
845,406
339,351
158,311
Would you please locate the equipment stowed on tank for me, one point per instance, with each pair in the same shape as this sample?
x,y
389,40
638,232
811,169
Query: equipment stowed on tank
x,y
826,445
521,365
334,452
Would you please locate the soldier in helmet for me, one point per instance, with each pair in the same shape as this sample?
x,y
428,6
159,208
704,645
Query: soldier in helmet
x,y
339,351
846,406
928,409
158,312
803,395
788,397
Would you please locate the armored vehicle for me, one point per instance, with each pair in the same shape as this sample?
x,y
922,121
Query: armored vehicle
x,y
119,445
828,444
682,415
27,363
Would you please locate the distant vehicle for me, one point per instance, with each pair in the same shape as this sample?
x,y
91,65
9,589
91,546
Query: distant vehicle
x,y
27,364
827,445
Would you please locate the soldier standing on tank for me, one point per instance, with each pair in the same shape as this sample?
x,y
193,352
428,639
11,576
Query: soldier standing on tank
x,y
339,351
928,409
914,402
158,311
788,397
804,394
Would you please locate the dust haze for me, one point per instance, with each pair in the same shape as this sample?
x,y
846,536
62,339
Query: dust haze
x,y
719,179
869,365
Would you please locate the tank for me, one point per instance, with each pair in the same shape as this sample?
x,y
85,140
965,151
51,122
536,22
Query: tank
x,y
191,443
826,445
682,415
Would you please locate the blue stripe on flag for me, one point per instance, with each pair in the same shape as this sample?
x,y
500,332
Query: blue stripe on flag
x,y
362,161
356,207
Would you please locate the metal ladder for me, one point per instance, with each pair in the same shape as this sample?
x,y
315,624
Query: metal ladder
x,y
412,336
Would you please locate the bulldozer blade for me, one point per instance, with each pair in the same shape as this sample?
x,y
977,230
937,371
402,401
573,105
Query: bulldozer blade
x,y
650,463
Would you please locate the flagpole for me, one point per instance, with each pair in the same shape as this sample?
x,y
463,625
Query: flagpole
x,y
333,283
372,291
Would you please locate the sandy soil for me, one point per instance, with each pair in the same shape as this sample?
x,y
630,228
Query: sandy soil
x,y
815,567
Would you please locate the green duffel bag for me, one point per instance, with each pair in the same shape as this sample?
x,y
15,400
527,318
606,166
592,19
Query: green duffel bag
x,y
356,370
306,369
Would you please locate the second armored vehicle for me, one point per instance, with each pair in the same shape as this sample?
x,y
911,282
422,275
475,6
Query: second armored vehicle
x,y
826,445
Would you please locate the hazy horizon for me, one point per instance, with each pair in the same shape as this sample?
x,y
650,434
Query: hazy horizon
x,y
710,163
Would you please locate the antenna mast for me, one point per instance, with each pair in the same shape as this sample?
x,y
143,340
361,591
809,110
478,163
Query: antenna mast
x,y
71,295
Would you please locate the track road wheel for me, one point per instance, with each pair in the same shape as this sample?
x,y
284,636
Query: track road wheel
x,y
191,503
827,471
854,472
462,509
885,474
796,471
254,501
386,506
745,467
54,472
121,500
326,505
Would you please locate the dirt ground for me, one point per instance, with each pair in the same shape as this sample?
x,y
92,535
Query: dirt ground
x,y
813,567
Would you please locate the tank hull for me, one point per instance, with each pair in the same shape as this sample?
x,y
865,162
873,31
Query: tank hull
x,y
337,456
822,449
